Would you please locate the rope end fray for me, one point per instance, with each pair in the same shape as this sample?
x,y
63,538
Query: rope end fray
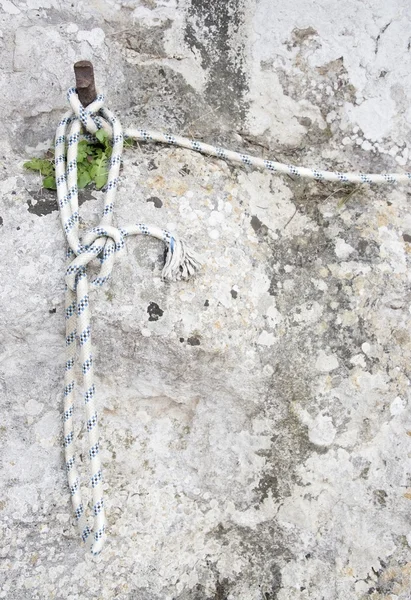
x,y
181,261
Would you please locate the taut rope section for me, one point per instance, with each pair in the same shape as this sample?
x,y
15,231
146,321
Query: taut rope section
x,y
100,242
144,135
103,242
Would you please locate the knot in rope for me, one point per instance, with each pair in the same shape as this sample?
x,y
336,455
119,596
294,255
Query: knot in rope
x,y
87,115
103,243
101,240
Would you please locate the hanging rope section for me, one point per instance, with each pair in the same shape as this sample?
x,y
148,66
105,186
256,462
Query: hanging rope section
x,y
101,243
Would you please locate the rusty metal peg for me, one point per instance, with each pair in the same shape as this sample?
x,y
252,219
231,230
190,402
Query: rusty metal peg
x,y
86,88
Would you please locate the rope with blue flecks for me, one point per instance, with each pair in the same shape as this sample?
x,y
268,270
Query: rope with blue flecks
x,y
102,242
144,135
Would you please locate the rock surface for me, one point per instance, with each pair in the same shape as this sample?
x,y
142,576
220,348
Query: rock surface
x,y
255,421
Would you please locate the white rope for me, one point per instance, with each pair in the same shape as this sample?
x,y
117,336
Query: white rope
x,y
143,135
103,242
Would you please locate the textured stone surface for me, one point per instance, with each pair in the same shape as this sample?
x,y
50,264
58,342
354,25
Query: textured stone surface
x,y
255,421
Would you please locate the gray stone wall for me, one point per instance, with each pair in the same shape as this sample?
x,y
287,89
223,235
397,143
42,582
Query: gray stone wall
x,y
255,421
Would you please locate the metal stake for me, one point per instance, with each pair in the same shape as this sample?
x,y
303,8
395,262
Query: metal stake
x,y
85,85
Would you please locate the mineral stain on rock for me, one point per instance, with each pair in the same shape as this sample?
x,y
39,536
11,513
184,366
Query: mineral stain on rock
x,y
216,35
44,202
256,224
154,311
156,201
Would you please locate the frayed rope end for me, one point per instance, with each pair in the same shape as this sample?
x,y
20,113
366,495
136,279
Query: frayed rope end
x,y
181,262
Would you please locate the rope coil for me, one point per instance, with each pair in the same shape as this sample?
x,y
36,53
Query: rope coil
x,y
103,243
